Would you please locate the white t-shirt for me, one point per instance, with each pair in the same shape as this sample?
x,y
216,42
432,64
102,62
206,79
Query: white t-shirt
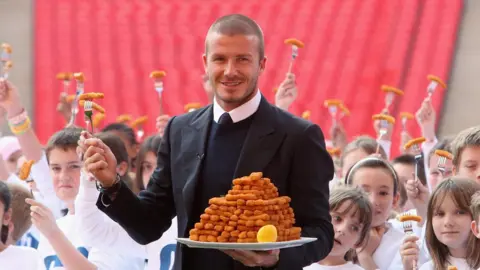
x,y
161,253
460,263
30,239
347,266
387,255
24,258
103,259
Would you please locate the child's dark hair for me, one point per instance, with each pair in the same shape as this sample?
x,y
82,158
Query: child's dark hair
x,y
20,210
359,200
65,139
461,191
6,199
5,196
116,145
374,163
408,159
151,144
124,129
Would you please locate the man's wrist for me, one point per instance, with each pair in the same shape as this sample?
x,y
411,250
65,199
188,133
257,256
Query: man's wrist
x,y
272,266
109,189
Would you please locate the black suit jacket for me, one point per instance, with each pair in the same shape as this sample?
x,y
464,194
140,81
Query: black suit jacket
x,y
288,150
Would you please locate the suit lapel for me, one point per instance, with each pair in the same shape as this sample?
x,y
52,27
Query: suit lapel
x,y
261,143
194,140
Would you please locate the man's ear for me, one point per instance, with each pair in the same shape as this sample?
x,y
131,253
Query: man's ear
x,y
204,59
263,64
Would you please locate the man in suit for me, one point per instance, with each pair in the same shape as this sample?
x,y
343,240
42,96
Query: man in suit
x,y
204,150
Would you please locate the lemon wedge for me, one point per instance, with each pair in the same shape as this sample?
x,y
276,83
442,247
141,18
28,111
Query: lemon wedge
x,y
267,233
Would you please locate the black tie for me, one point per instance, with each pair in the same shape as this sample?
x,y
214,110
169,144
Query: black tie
x,y
225,119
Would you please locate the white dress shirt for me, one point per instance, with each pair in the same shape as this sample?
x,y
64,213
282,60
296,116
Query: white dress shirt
x,y
240,113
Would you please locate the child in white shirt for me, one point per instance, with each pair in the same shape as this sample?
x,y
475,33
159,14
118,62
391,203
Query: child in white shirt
x,y
378,178
60,245
351,218
449,238
13,257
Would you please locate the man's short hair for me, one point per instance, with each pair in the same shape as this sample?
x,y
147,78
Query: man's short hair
x,y
469,137
237,24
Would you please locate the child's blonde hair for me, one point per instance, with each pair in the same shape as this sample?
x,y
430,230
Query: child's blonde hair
x,y
365,143
466,138
461,191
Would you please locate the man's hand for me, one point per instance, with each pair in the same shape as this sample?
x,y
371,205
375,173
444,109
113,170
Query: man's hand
x,y
286,92
98,159
255,258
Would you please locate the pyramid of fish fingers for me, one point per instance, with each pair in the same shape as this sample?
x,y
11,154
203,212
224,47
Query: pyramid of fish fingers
x,y
252,203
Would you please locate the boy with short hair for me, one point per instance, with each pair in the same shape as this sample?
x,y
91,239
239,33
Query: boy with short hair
x,y
466,153
61,245
21,215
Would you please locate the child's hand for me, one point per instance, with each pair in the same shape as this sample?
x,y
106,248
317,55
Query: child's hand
x,y
43,218
339,136
375,237
64,108
286,92
10,99
376,127
418,195
161,123
404,138
409,251
426,117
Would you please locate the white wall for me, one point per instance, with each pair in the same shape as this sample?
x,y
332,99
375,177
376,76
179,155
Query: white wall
x,y
462,104
16,28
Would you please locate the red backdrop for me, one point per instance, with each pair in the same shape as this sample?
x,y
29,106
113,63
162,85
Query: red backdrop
x,y
352,47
